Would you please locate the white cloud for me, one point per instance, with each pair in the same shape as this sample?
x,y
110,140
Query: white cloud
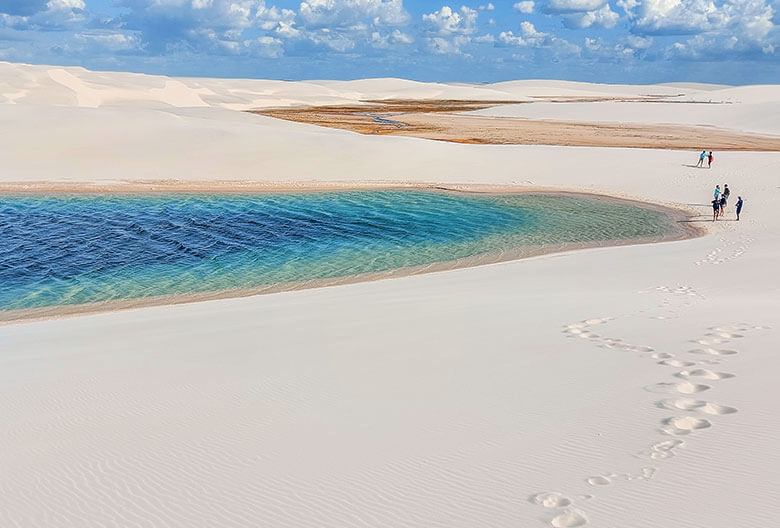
x,y
530,37
336,41
445,21
287,30
399,37
488,7
731,28
485,38
572,6
272,17
637,42
269,47
53,15
526,6
603,16
627,5
675,16
378,40
109,40
65,4
441,46
349,12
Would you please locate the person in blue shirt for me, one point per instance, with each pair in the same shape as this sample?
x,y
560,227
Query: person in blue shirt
x,y
717,192
739,206
702,157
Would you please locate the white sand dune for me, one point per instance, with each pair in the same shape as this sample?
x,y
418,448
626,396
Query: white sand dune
x,y
757,118
631,386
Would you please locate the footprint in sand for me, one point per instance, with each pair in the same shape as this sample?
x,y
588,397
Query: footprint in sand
x,y
678,290
716,409
676,363
646,473
704,373
664,449
683,425
688,404
550,499
600,480
712,351
683,387
581,329
733,249
569,518
709,341
564,514
724,335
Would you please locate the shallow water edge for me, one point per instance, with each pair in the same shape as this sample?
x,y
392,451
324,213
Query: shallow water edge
x,y
686,230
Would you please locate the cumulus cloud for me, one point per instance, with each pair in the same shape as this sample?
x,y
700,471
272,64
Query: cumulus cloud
x,y
350,12
673,16
638,42
108,40
272,17
526,6
488,7
448,30
736,28
269,47
386,41
604,16
572,6
581,14
333,40
486,38
53,15
441,45
445,21
65,4
213,26
530,37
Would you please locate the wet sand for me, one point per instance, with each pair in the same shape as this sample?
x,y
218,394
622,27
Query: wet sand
x,y
442,120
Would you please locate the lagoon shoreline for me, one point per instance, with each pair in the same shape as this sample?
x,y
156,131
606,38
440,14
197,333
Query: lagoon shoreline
x,y
682,217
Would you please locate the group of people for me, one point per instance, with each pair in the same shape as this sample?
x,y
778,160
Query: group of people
x,y
721,200
704,156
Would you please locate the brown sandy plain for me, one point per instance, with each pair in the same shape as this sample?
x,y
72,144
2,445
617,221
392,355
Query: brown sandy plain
x,y
444,120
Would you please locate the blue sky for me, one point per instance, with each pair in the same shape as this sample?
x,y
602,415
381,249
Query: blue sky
x,y
635,41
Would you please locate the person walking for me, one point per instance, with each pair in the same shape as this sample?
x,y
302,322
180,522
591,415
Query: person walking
x,y
722,203
710,157
701,158
726,191
739,206
717,192
715,209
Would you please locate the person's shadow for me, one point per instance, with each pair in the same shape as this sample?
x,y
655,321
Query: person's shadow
x,y
694,166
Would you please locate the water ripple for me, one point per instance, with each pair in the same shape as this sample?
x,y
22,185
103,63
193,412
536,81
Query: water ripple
x,y
58,250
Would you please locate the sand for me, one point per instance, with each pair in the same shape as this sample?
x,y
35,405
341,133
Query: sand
x,y
446,121
626,386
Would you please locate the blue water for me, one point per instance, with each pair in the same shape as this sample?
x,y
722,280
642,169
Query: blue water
x,y
61,250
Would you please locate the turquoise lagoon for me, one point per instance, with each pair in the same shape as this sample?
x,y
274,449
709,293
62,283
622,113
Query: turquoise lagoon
x,y
75,249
